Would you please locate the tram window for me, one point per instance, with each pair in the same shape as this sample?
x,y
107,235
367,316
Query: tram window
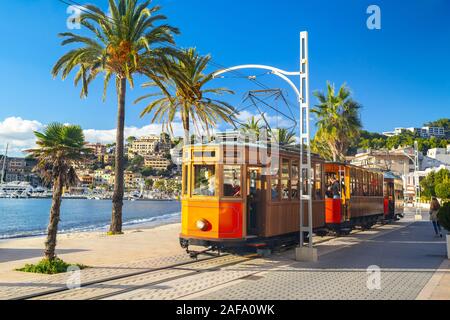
x,y
285,179
274,188
204,154
185,180
318,181
204,180
294,180
232,181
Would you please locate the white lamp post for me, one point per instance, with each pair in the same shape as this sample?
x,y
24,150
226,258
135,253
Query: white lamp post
x,y
303,253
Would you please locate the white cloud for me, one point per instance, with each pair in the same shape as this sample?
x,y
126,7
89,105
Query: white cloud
x,y
109,136
19,134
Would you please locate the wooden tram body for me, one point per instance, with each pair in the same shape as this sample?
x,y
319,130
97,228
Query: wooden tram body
x,y
394,200
248,195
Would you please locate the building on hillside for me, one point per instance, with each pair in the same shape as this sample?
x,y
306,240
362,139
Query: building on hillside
x,y
440,154
98,149
176,154
415,177
148,146
133,179
20,169
397,161
157,162
424,132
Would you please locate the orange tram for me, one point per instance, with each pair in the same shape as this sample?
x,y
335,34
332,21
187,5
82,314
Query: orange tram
x,y
238,197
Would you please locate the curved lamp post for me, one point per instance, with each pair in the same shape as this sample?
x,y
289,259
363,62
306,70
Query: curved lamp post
x,y
303,253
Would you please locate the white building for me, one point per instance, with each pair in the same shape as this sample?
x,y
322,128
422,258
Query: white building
x,y
440,154
424,132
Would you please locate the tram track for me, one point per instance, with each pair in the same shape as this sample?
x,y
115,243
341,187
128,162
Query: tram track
x,y
122,284
110,287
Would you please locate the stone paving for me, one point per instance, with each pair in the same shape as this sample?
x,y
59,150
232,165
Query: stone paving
x,y
43,284
408,258
406,253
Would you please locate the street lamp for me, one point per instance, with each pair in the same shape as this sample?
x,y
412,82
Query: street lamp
x,y
415,160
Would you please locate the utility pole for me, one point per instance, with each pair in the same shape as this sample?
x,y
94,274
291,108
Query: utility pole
x,y
416,181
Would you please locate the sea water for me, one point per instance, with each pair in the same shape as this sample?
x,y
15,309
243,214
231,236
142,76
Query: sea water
x,y
29,217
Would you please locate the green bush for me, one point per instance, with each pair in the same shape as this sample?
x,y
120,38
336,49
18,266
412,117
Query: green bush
x,y
46,266
443,190
444,216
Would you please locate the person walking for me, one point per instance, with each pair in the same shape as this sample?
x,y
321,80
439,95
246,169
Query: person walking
x,y
434,208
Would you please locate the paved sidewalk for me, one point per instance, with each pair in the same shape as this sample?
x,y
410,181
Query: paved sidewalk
x,y
408,257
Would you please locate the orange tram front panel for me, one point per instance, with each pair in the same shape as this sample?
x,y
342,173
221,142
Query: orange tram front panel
x,y
223,220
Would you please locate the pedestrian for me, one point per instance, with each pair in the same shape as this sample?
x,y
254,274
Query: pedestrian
x,y
434,208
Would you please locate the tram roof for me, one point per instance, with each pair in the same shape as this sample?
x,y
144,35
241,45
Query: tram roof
x,y
285,148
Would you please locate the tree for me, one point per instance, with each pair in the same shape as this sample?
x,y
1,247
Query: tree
x,y
444,122
284,137
159,185
149,183
136,163
432,180
443,190
131,139
338,120
59,149
252,127
120,44
183,89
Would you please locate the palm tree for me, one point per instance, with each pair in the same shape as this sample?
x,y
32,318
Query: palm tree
x,y
338,120
252,127
284,137
120,44
183,89
59,149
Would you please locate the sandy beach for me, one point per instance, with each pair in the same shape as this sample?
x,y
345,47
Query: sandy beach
x,y
90,248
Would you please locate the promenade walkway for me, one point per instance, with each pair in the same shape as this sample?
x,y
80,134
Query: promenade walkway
x,y
412,264
411,261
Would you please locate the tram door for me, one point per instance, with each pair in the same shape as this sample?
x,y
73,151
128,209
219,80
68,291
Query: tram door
x,y
253,199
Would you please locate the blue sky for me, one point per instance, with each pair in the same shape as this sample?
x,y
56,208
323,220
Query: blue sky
x,y
400,74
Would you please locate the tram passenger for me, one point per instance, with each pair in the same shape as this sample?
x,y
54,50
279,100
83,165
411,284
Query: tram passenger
x,y
335,188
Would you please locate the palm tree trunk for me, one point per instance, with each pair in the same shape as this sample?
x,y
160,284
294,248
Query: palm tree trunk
x,y
52,230
187,138
116,219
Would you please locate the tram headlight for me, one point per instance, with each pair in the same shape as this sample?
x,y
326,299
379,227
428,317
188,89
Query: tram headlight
x,y
202,225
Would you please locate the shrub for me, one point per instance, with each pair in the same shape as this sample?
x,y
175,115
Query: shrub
x,y
443,190
46,266
444,216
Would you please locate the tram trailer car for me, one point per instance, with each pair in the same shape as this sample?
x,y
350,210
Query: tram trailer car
x,y
235,197
394,199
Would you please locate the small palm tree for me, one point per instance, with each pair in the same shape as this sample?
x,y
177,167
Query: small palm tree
x,y
183,89
59,149
338,120
252,127
119,45
284,137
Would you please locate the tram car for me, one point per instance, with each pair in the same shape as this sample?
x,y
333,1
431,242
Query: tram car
x,y
247,195
394,200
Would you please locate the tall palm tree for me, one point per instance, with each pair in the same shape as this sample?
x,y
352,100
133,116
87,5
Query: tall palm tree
x,y
183,89
59,149
338,120
119,45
